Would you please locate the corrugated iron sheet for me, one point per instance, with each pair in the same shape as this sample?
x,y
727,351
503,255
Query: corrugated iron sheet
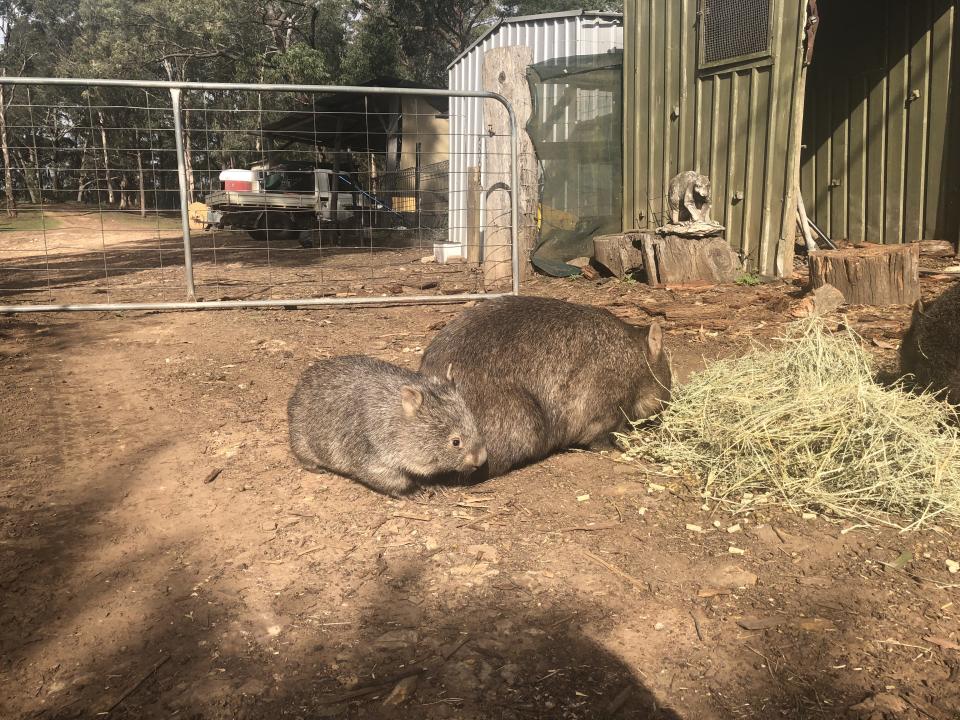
x,y
736,123
882,147
550,36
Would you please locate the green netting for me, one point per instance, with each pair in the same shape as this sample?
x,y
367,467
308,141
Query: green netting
x,y
576,130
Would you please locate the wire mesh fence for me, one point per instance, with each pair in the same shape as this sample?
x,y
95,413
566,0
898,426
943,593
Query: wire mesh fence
x,y
120,193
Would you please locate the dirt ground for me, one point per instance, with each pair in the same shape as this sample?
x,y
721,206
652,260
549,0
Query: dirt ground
x,y
79,254
162,555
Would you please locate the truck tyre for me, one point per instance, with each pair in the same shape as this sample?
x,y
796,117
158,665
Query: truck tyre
x,y
272,226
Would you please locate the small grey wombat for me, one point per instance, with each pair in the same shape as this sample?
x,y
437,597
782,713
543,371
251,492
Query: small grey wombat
x,y
382,425
541,374
930,350
689,198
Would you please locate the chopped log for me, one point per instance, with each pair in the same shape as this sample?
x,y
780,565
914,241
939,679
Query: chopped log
x,y
619,253
675,260
589,273
937,248
870,274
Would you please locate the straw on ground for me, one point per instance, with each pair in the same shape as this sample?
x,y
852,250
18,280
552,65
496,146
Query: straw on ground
x,y
805,424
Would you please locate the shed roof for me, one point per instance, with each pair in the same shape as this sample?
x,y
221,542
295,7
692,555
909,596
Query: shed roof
x,y
535,18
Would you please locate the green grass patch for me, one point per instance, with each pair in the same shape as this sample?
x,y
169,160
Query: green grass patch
x,y
28,221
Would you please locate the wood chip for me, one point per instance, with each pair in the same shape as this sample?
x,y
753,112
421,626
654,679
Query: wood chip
x,y
814,581
814,624
212,475
884,344
758,623
942,642
412,516
402,691
709,592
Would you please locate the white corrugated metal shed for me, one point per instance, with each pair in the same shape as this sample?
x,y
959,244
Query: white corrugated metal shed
x,y
554,35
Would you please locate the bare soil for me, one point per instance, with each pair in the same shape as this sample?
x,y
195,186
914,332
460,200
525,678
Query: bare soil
x,y
135,584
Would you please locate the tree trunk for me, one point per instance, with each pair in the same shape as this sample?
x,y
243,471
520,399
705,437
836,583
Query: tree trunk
x,y
124,194
870,274
143,190
55,177
111,195
29,178
504,72
187,156
7,174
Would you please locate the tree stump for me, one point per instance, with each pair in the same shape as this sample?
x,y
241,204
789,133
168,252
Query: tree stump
x,y
668,259
684,260
619,253
870,274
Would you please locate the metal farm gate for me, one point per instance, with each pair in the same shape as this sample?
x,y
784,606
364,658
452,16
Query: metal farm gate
x,y
124,195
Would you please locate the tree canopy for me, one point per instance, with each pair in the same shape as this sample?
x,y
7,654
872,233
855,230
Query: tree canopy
x,y
68,140
316,41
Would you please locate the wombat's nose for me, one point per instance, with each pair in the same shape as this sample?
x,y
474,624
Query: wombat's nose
x,y
476,458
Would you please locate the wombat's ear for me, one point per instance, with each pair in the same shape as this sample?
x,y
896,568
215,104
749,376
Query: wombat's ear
x,y
655,339
411,399
917,311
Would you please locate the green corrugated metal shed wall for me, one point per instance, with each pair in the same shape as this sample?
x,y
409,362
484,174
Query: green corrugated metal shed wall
x,y
881,128
734,123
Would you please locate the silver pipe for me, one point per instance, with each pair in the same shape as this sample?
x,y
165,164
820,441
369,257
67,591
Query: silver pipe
x,y
184,193
168,85
233,304
514,199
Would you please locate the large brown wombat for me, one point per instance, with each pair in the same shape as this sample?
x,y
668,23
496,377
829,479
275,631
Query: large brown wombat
x,y
542,374
382,425
930,350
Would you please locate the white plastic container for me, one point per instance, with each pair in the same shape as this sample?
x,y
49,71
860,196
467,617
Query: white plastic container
x,y
444,252
239,180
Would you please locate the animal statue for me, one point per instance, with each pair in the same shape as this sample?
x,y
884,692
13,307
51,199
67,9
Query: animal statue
x,y
689,198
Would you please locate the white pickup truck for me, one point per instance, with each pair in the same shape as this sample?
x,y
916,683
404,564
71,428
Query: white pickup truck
x,y
286,202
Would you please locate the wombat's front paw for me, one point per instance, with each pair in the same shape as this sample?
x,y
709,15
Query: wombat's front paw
x,y
393,483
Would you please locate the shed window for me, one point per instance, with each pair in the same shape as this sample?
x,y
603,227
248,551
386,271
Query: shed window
x,y
734,30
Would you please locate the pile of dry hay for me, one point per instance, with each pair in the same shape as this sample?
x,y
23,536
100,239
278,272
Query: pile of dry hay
x,y
805,424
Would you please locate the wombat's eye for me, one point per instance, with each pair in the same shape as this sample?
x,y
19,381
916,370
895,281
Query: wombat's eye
x,y
455,442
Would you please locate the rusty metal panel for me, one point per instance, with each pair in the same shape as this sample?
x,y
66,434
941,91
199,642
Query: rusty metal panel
x,y
881,115
735,122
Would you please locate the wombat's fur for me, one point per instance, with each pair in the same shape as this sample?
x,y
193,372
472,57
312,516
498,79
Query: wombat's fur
x,y
542,374
930,350
689,198
381,425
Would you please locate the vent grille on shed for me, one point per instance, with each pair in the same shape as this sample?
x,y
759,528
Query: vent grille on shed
x,y
735,28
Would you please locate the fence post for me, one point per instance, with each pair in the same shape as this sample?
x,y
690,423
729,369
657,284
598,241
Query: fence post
x,y
184,195
417,179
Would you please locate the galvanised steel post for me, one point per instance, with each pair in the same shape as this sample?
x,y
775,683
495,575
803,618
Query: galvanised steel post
x,y
184,194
